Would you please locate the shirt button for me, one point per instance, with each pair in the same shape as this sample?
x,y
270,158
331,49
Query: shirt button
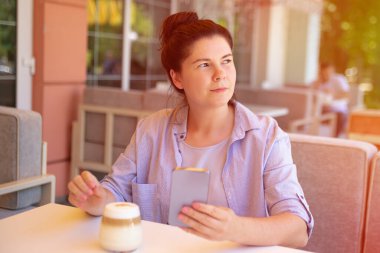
x,y
181,136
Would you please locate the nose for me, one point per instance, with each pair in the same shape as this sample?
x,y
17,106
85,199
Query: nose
x,y
219,74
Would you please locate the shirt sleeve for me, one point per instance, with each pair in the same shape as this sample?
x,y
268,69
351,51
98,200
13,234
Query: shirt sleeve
x,y
283,193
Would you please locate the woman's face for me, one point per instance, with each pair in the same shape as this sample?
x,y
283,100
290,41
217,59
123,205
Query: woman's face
x,y
208,74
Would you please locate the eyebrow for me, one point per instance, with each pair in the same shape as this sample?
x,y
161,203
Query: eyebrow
x,y
206,59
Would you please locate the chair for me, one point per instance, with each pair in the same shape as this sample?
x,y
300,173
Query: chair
x,y
322,124
364,125
304,116
372,231
107,118
334,176
23,178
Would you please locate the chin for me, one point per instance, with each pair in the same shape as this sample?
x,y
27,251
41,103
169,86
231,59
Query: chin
x,y
220,103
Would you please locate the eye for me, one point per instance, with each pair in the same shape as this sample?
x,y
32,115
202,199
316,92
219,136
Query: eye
x,y
226,61
203,65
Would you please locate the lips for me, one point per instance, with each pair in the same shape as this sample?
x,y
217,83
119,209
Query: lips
x,y
220,89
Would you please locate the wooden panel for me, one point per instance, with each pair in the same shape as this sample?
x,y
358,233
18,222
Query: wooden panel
x,y
365,124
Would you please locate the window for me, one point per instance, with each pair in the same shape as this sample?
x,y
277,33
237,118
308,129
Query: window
x,y
8,15
106,37
105,42
146,69
16,60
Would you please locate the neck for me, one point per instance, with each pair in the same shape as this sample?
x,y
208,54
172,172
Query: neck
x,y
208,127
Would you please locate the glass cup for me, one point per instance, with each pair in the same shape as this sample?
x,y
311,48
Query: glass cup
x,y
121,229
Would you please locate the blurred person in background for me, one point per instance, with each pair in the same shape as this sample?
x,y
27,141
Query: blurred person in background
x,y
336,90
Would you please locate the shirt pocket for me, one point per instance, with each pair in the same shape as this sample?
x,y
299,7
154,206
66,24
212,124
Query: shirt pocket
x,y
146,196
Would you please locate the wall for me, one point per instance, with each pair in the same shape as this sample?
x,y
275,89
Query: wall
x,y
59,47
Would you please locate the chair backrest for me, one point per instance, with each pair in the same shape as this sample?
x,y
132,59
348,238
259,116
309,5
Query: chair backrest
x,y
113,97
372,232
279,97
20,154
355,94
106,122
95,122
317,97
155,99
334,174
364,125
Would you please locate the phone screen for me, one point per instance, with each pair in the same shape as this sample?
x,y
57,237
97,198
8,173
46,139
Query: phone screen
x,y
188,185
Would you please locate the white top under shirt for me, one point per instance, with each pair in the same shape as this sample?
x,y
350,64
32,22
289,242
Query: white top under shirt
x,y
212,158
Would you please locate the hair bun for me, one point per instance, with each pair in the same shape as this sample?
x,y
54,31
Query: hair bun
x,y
174,21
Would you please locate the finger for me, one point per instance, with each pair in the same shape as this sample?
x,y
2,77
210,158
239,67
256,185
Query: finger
x,y
90,179
74,190
74,201
213,211
200,217
81,185
195,225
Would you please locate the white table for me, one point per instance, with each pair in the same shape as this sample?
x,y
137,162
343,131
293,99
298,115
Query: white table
x,y
58,228
273,111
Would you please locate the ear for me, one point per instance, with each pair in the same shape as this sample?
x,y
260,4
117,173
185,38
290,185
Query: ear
x,y
176,78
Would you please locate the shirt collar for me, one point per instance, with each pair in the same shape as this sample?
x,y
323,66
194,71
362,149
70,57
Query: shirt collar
x,y
245,120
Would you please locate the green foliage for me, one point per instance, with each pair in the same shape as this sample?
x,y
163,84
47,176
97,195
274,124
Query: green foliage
x,y
351,38
8,10
141,21
7,31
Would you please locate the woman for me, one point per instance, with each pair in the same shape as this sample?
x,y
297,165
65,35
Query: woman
x,y
254,195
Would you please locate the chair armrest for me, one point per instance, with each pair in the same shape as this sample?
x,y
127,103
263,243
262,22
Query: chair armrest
x,y
312,125
46,181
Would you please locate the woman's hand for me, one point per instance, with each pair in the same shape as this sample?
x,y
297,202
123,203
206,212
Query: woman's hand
x,y
86,193
210,222
221,223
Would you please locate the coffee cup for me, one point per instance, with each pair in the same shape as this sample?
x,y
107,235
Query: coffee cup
x,y
121,227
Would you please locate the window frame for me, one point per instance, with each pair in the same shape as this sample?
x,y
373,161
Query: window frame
x,y
25,61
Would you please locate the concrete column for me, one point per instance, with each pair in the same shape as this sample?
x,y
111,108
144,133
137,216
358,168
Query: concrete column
x,y
269,46
277,44
286,43
302,47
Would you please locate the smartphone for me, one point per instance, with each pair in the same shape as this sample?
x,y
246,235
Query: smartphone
x,y
188,185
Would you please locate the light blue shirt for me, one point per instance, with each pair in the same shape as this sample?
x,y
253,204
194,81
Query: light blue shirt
x,y
259,176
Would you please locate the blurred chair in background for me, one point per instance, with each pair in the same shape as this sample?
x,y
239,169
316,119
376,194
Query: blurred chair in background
x,y
304,106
